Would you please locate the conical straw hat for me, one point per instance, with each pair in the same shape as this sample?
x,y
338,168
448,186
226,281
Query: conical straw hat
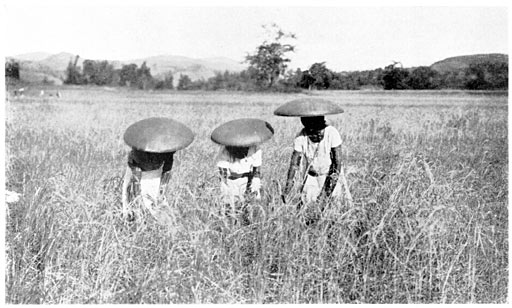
x,y
308,107
243,132
158,135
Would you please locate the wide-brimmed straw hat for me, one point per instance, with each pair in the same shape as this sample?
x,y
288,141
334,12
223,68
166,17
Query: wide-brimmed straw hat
x,y
243,132
158,135
308,107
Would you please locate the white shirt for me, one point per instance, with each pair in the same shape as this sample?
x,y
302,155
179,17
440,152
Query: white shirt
x,y
318,155
233,190
244,165
150,185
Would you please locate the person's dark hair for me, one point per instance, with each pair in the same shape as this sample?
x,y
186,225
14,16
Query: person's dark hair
x,y
314,122
151,158
238,152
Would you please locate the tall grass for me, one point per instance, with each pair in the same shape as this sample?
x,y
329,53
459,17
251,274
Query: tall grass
x,y
428,174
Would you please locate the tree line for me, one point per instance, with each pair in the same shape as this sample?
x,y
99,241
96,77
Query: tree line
x,y
267,71
103,73
480,76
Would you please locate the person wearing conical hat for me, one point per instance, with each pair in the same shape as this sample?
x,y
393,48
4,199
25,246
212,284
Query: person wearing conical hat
x,y
147,176
153,143
239,170
239,160
319,146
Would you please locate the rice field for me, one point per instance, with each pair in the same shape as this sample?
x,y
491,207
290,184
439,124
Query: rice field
x,y
428,172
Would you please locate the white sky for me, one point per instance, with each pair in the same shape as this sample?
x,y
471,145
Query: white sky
x,y
346,38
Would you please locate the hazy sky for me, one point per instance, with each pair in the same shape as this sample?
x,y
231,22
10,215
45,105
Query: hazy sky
x,y
346,38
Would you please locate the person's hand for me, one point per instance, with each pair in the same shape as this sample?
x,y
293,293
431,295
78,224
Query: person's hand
x,y
127,213
256,185
252,195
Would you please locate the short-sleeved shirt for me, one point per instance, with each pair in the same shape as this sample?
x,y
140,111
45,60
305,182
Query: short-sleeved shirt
x,y
237,165
150,161
318,155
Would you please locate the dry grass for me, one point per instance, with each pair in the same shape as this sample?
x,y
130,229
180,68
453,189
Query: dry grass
x,y
428,172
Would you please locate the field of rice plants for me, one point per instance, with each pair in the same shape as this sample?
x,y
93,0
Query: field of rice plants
x,y
428,172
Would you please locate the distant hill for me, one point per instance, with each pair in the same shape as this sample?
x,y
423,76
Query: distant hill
x,y
32,56
462,62
60,61
36,66
194,68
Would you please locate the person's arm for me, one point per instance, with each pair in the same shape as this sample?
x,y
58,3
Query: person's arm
x,y
126,185
334,171
168,162
223,172
223,164
294,166
256,176
254,183
254,180
166,170
166,178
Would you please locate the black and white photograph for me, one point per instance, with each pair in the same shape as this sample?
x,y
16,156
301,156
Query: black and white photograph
x,y
254,152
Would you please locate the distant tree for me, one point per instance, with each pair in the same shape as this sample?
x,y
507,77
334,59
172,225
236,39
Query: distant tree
x,y
423,78
167,83
104,74
475,78
97,72
232,81
200,84
293,78
12,69
289,82
128,75
355,80
144,78
394,77
217,82
375,77
345,81
116,77
73,74
184,83
321,75
88,71
498,75
452,80
269,60
238,81
306,80
486,76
